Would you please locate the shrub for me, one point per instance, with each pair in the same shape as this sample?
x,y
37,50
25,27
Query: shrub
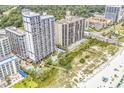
x,y
87,56
82,60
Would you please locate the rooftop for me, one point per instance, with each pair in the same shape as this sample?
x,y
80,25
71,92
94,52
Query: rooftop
x,y
18,31
69,19
96,19
46,16
9,59
29,13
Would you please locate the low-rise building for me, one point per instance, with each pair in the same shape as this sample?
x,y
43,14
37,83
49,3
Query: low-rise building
x,y
69,30
9,66
98,22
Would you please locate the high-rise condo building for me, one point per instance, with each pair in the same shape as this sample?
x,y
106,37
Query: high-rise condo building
x,y
5,49
39,34
17,41
69,30
113,12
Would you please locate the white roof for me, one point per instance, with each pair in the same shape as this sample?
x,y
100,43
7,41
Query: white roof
x,y
69,19
15,30
29,13
9,59
46,16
